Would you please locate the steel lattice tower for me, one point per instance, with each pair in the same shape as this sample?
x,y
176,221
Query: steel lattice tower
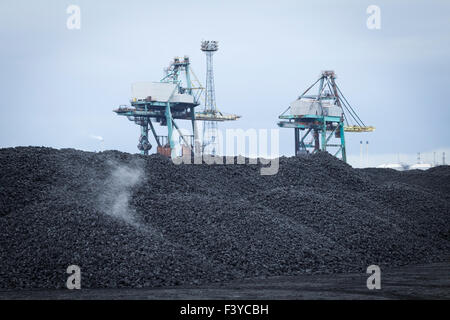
x,y
210,128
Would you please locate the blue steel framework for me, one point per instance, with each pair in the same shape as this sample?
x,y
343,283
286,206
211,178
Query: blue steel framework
x,y
142,112
320,127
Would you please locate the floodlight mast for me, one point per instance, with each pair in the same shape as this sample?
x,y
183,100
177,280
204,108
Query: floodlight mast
x,y
210,128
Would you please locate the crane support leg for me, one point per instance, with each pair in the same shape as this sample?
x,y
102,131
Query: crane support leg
x,y
324,135
197,146
316,140
144,136
154,132
343,151
170,130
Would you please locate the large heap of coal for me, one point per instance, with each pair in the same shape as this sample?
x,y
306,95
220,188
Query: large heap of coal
x,y
133,221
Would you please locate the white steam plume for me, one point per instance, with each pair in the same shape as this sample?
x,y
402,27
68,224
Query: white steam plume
x,y
117,192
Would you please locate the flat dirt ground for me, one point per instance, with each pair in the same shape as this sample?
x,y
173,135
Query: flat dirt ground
x,y
429,281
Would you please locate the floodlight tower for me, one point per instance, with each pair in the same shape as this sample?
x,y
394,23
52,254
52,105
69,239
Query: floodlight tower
x,y
210,128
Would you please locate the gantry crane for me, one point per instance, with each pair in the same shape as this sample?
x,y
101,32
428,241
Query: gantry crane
x,y
324,117
165,102
168,100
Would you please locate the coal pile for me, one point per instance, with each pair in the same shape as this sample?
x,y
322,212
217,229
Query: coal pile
x,y
134,221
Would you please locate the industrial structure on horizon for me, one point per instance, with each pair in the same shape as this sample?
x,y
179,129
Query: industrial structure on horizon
x,y
419,165
172,99
324,117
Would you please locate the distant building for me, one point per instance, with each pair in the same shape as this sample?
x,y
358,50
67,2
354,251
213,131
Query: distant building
x,y
404,166
395,166
421,166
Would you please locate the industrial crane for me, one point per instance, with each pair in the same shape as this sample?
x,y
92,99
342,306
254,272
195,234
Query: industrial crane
x,y
324,117
173,99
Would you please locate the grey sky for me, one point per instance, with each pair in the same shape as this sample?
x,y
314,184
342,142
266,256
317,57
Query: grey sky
x,y
59,86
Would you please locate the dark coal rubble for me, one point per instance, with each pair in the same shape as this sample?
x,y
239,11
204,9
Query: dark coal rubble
x,y
134,221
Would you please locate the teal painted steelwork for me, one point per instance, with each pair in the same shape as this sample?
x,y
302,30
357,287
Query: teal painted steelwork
x,y
169,126
319,127
343,150
144,136
188,81
154,133
324,127
165,112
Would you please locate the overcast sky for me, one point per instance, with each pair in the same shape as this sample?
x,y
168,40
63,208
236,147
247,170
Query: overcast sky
x,y
59,86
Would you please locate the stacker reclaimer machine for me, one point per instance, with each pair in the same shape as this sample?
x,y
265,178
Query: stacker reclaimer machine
x,y
323,117
172,99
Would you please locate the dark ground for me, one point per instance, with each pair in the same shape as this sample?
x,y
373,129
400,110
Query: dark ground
x,y
131,221
430,281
